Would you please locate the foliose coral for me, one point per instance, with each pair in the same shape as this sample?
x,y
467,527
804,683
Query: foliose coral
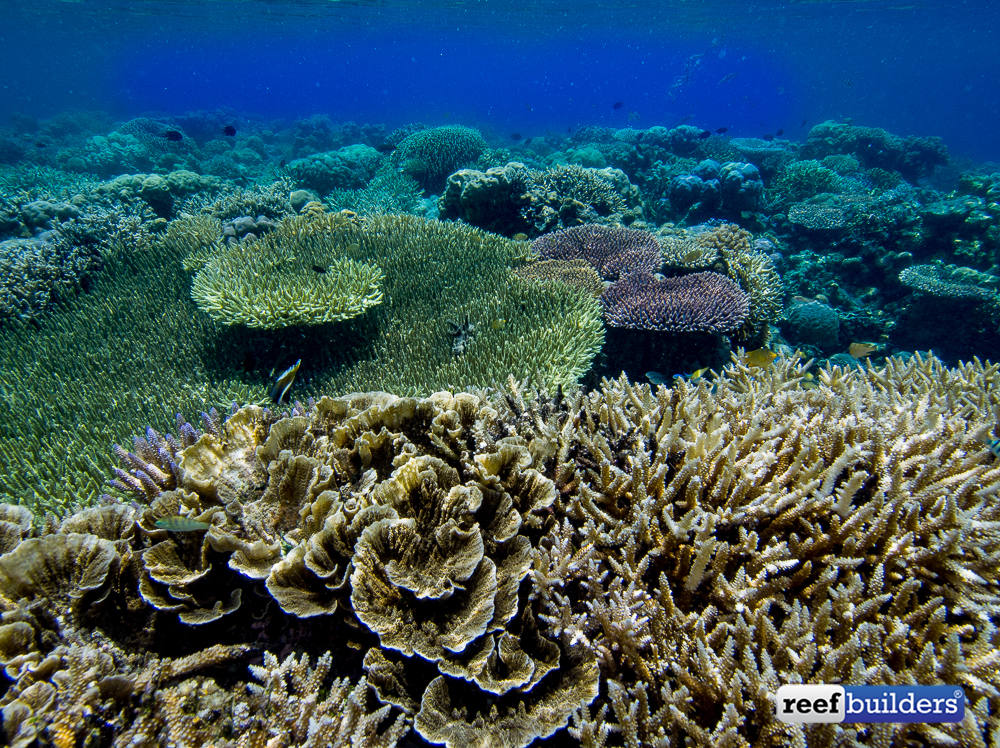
x,y
950,282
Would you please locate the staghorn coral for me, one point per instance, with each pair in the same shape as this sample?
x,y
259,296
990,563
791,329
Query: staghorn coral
x,y
612,251
274,281
700,302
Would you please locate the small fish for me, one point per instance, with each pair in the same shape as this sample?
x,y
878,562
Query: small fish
x,y
385,148
515,136
861,350
447,115
229,130
181,524
633,116
704,134
173,136
691,256
727,78
721,130
761,358
281,164
694,376
618,105
808,382
994,445
769,137
848,82
40,144
284,382
498,324
318,269
780,133
803,123
655,377
527,141
686,118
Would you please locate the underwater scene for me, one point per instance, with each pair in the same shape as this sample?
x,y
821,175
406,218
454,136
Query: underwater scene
x,y
475,373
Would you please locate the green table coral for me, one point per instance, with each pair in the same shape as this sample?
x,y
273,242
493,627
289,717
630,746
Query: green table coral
x,y
292,277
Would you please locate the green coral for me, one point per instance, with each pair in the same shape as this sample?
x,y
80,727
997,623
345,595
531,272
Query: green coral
x,y
456,315
290,277
388,192
429,156
131,352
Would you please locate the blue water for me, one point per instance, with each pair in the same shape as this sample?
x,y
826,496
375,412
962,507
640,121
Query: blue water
x,y
910,68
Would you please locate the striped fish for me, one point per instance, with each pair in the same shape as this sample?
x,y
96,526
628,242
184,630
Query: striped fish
x,y
284,382
181,524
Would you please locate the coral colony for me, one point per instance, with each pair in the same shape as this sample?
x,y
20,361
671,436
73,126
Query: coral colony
x,y
431,497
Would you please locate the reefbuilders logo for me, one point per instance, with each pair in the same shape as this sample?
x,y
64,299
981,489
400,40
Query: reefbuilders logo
x,y
822,703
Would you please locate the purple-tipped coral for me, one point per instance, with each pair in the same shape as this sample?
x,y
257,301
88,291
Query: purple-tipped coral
x,y
151,466
613,251
701,302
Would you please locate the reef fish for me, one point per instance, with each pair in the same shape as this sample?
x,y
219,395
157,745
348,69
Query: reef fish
x,y
704,134
762,357
173,136
515,136
861,350
694,376
618,105
721,130
727,78
656,378
229,130
181,524
994,445
284,382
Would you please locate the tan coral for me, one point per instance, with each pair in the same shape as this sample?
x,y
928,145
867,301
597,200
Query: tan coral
x,y
71,571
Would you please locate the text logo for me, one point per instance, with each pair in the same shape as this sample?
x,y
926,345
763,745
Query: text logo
x,y
823,703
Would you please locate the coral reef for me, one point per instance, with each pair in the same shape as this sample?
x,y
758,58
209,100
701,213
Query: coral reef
x,y
629,565
429,156
612,251
950,282
515,199
351,167
700,302
813,323
291,276
714,189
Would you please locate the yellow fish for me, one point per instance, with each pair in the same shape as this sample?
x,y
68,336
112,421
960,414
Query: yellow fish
x,y
498,324
861,350
284,382
762,357
181,524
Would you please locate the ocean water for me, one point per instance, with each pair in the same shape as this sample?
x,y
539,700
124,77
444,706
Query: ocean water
x,y
759,410
912,68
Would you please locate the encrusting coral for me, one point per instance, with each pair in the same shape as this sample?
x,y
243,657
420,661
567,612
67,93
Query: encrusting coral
x,y
638,566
